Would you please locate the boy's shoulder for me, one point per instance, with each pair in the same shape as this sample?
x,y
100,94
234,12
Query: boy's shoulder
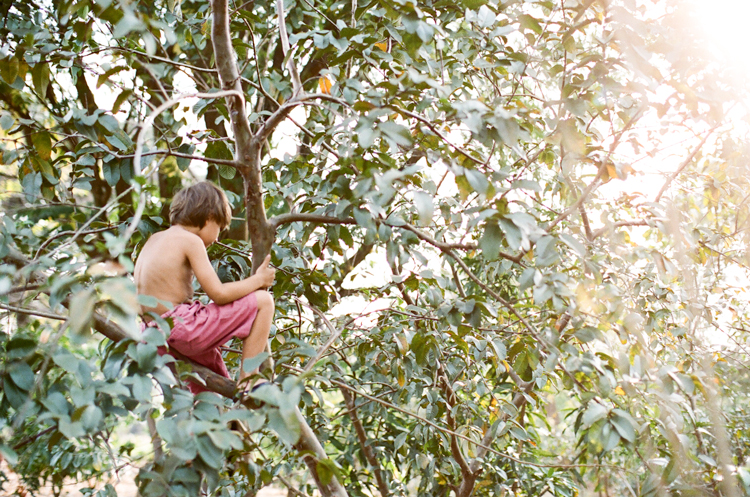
x,y
175,235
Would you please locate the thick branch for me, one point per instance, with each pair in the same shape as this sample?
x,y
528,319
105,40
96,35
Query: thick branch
x,y
226,63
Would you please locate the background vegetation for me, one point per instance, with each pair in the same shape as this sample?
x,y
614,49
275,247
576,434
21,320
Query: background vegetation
x,y
475,295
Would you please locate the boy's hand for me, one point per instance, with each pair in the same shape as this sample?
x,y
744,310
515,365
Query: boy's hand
x,y
265,273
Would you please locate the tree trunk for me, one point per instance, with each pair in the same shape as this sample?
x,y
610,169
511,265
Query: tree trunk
x,y
248,155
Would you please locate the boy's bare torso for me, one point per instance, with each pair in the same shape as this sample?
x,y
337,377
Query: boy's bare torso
x,y
163,270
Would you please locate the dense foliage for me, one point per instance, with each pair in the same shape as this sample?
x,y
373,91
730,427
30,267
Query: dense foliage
x,y
510,238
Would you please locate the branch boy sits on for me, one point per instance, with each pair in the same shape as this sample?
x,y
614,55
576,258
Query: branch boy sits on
x,y
165,270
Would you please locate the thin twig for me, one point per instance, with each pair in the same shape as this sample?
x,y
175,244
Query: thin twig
x,y
32,312
684,164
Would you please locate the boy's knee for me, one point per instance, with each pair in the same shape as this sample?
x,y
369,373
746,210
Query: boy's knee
x,y
265,300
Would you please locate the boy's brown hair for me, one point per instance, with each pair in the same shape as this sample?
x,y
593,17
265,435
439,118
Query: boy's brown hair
x,y
195,205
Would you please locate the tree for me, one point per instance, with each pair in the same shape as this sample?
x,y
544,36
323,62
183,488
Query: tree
x,y
530,329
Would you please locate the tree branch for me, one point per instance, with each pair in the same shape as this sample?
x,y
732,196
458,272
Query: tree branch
x,y
296,84
684,164
32,312
450,399
616,225
335,334
602,168
363,442
293,217
437,132
440,245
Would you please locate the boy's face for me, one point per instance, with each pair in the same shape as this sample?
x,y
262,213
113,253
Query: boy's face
x,y
210,232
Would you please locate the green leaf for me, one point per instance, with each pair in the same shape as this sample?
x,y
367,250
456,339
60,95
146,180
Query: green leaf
x,y
528,22
167,430
32,185
425,207
9,455
66,360
477,181
366,132
9,69
425,31
22,375
42,141
218,150
395,133
210,454
491,240
182,162
7,121
327,469
224,439
254,362
142,388
545,251
512,233
70,429
15,396
111,171
486,17
268,393
81,310
91,418
104,77
145,356
129,22
227,172
287,429
594,413
624,424
121,99
573,243
40,78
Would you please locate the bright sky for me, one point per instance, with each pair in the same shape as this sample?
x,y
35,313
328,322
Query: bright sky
x,y
725,21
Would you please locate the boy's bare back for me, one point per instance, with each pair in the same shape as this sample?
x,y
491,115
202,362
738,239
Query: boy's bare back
x,y
169,260
163,269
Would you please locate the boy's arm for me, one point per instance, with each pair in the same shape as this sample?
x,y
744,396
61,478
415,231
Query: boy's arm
x,y
224,293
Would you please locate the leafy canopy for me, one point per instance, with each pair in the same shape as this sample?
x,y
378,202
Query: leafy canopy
x,y
510,238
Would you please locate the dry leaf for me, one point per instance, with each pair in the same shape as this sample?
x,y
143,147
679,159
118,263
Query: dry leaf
x,y
325,84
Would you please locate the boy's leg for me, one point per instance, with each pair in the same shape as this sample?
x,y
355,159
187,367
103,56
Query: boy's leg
x,y
256,341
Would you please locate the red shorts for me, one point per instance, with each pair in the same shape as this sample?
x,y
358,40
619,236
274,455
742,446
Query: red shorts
x,y
200,330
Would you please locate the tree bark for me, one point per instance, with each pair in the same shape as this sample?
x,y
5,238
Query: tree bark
x,y
247,152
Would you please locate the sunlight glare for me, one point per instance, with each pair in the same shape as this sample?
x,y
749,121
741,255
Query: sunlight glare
x,y
724,23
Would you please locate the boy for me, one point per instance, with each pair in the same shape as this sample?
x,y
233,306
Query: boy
x,y
165,270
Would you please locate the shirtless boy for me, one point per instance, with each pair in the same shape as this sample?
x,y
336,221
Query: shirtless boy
x,y
165,270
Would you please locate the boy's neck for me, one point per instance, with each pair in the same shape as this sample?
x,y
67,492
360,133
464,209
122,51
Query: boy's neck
x,y
192,229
